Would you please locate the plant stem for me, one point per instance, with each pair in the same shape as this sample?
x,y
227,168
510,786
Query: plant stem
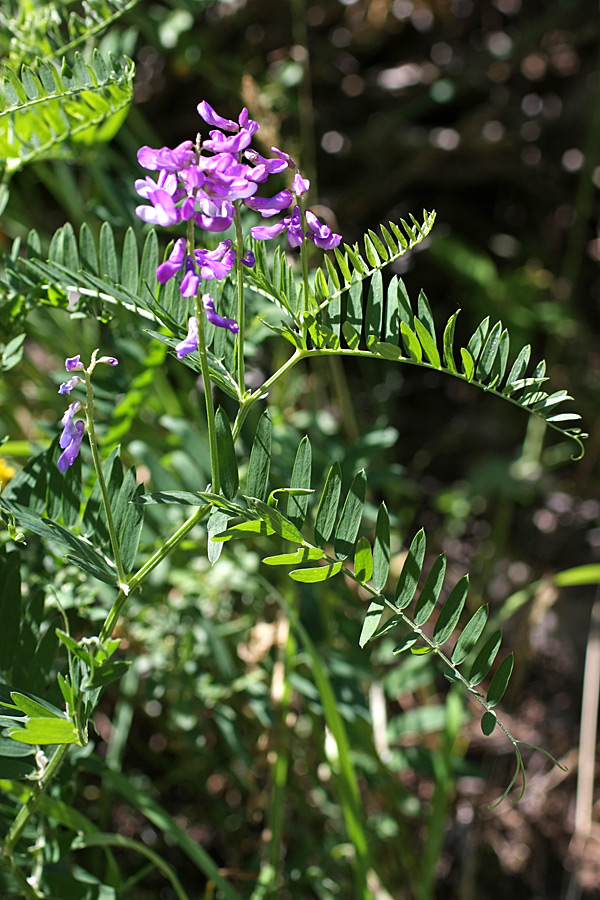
x,y
305,284
241,374
281,694
208,396
149,565
28,809
249,402
114,542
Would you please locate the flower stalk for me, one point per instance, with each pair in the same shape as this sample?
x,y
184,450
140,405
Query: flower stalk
x,y
241,375
110,523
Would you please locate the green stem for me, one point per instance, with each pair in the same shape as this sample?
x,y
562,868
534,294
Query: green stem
x,y
114,542
305,283
28,809
280,768
208,396
241,374
149,565
27,891
247,404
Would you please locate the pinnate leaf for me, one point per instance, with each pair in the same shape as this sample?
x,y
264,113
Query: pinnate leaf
x,y
328,504
470,635
347,529
500,680
411,571
485,658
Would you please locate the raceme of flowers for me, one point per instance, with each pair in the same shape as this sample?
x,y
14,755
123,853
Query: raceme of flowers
x,y
206,187
73,431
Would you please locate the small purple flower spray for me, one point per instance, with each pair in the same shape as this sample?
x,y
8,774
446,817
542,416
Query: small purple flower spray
x,y
72,434
205,185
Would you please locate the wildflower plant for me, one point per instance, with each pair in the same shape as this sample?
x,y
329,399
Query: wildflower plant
x,y
210,193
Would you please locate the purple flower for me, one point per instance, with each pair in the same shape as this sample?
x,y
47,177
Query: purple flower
x,y
190,281
162,212
285,157
263,167
190,342
166,181
292,224
68,386
173,263
219,143
321,234
267,232
217,263
215,319
109,360
165,158
300,185
213,223
270,206
71,437
221,177
207,113
73,363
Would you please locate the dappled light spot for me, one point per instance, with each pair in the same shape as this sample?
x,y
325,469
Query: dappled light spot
x,y
572,159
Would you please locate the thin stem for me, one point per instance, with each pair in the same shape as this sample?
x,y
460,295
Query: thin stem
x,y
208,396
281,693
204,367
260,392
27,891
114,541
305,284
150,564
28,809
241,373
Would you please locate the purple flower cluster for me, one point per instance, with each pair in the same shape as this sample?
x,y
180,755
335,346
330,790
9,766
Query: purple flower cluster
x,y
72,433
206,183
71,437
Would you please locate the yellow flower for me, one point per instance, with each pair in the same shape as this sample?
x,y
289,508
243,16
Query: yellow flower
x,y
6,472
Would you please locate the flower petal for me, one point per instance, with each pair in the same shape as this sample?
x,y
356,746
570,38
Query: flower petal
x,y
270,206
215,319
173,263
71,450
207,113
190,342
266,232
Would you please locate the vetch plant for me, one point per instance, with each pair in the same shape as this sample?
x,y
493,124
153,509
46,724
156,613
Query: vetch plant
x,y
215,185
